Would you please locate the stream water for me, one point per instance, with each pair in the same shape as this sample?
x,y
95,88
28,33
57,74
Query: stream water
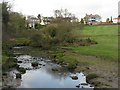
x,y
43,76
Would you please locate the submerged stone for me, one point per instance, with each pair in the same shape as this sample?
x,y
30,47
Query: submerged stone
x,y
74,77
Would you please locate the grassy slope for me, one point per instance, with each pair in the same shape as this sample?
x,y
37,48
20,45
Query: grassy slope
x,y
107,39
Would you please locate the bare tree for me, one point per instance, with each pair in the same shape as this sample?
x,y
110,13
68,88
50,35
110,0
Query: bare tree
x,y
63,13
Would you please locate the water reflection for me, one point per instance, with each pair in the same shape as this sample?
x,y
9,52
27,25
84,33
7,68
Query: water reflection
x,y
43,76
41,79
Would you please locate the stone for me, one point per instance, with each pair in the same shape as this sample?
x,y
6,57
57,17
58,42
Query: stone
x,y
74,77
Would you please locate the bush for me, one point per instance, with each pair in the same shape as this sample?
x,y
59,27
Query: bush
x,y
40,40
36,40
60,33
51,30
91,76
54,34
64,32
38,26
34,64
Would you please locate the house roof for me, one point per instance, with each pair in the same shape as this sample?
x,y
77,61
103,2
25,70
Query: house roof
x,y
91,15
117,18
47,17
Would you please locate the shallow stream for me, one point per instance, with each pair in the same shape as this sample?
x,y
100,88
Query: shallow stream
x,y
43,76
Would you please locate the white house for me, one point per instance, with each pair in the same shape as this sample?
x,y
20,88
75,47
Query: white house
x,y
47,20
92,19
31,21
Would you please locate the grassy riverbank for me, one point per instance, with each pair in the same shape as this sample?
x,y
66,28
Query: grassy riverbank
x,y
107,47
107,38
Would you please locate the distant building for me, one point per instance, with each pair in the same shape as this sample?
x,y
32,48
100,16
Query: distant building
x,y
92,19
47,20
116,20
31,21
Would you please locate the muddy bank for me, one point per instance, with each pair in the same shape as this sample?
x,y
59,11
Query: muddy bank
x,y
106,69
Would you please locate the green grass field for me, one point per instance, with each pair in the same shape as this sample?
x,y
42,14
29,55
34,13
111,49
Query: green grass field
x,y
107,38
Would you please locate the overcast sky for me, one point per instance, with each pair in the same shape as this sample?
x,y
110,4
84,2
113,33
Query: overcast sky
x,y
105,8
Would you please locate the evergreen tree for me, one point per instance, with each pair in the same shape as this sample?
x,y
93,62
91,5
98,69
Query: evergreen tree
x,y
82,21
107,20
111,19
39,17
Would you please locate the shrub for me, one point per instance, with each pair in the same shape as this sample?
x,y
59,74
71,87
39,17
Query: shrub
x,y
34,64
36,40
40,40
55,34
51,30
38,26
64,30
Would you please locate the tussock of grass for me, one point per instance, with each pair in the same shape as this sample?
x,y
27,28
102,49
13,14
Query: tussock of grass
x,y
34,64
91,76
